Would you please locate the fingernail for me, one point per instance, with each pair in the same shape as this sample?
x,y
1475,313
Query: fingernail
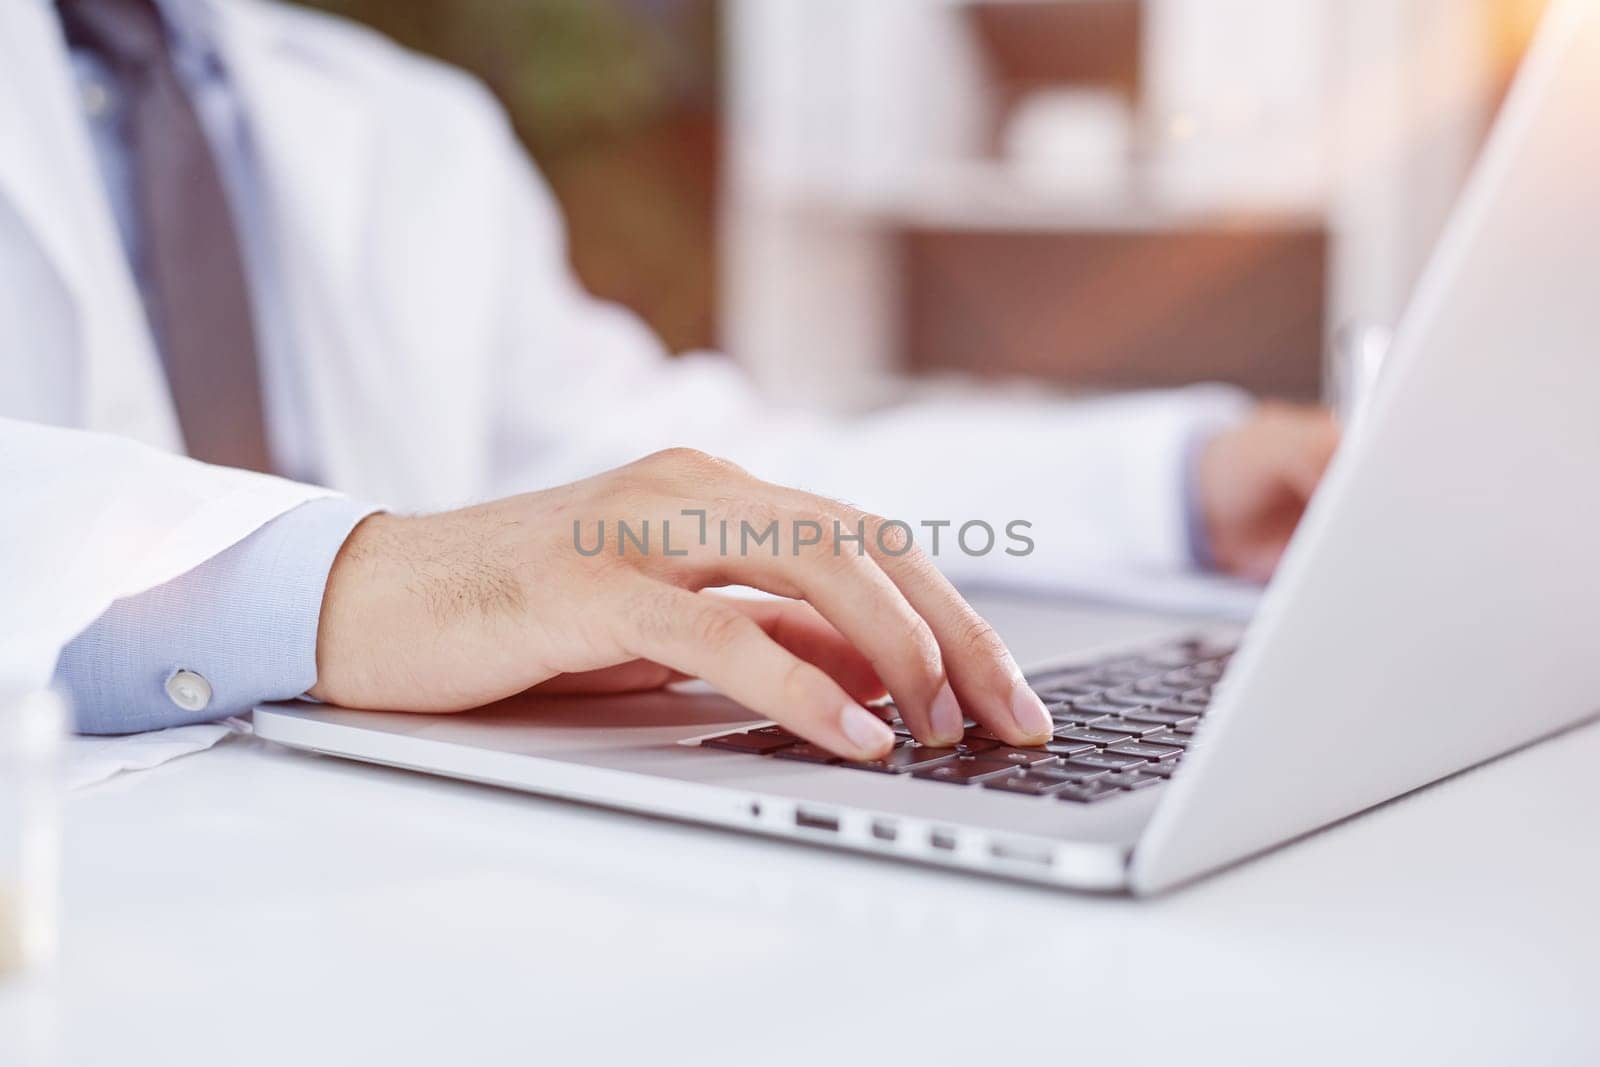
x,y
944,716
1026,707
865,730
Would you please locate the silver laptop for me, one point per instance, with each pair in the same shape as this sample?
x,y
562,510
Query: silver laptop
x,y
1440,606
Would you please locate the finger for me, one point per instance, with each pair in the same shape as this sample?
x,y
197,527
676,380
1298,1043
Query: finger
x,y
1315,438
853,593
704,636
1261,565
986,679
848,588
794,625
801,629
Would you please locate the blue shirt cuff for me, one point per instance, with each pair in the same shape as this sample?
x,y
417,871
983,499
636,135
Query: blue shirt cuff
x,y
245,621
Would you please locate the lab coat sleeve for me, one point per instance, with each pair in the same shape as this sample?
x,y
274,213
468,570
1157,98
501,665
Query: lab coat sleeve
x,y
584,386
87,519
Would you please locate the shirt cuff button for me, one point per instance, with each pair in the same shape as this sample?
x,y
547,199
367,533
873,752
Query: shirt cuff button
x,y
189,691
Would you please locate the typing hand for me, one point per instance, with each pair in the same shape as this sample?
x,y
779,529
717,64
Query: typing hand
x,y
451,611
1255,481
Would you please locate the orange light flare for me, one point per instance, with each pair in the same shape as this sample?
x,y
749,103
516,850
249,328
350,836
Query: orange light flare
x,y
1442,89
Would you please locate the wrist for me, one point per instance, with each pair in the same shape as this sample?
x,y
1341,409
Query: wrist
x,y
354,611
425,613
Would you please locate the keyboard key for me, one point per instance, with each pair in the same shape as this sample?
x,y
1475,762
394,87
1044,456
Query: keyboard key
x,y
1167,737
1061,747
1110,761
1156,688
983,733
1087,793
969,744
1072,769
1093,737
965,770
904,759
1180,654
1132,780
1122,673
1124,696
1063,676
1060,709
1157,715
1164,769
1098,707
1022,757
806,753
1027,784
1144,751
1130,726
1069,692
755,742
1076,717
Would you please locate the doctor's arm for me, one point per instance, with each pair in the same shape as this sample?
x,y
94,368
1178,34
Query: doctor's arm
x,y
173,572
451,611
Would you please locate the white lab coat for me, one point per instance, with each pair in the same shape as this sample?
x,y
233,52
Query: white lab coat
x,y
446,350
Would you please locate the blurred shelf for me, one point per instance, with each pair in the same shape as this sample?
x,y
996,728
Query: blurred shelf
x,y
993,196
1019,208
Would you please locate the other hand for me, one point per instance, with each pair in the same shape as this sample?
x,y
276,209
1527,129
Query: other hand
x,y
1255,480
452,611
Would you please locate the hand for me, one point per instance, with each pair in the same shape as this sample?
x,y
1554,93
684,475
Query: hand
x,y
1255,481
452,611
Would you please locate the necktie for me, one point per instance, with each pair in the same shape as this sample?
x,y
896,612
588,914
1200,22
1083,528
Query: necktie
x,y
194,267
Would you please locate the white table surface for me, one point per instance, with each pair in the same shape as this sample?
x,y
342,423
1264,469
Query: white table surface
x,y
252,905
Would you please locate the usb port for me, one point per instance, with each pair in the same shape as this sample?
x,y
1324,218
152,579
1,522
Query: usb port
x,y
943,839
884,830
816,820
1020,853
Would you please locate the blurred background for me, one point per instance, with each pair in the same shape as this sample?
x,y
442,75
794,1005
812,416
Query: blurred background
x,y
857,196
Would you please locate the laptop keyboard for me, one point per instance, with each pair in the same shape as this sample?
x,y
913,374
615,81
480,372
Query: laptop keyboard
x,y
1121,724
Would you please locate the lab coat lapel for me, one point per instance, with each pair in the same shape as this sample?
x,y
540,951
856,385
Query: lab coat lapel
x,y
48,172
33,78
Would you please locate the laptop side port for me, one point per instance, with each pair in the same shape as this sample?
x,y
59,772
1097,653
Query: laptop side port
x,y
816,820
1017,852
884,830
943,839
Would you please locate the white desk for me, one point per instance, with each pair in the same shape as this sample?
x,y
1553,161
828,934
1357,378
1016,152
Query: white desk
x,y
251,905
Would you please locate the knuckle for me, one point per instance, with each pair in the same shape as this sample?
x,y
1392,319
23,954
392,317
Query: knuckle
x,y
926,649
690,464
821,550
741,511
975,634
892,539
717,628
650,612
914,650
797,682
